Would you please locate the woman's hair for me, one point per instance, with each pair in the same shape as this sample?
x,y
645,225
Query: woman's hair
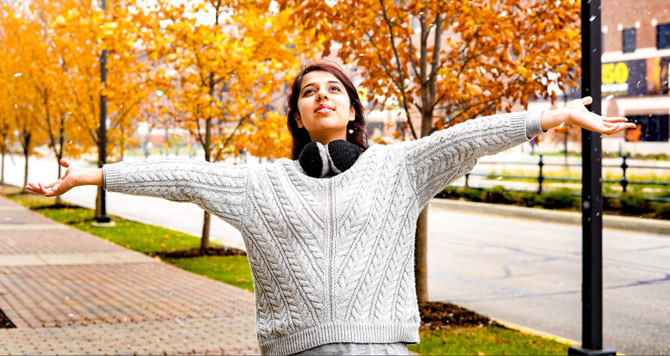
x,y
300,135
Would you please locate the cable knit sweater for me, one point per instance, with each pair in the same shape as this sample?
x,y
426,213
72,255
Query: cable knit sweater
x,y
332,258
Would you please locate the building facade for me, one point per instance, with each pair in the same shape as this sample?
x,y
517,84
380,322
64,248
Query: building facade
x,y
636,69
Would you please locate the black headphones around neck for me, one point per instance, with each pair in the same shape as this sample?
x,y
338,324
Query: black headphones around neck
x,y
320,161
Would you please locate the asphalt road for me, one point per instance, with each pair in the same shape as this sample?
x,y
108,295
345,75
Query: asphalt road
x,y
529,273
522,271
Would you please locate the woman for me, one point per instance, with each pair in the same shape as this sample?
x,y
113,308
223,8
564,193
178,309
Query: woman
x,y
332,252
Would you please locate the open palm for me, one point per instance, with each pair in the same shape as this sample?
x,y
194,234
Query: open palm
x,y
580,116
60,186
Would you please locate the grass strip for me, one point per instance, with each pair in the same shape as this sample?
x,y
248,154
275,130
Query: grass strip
x,y
234,270
485,341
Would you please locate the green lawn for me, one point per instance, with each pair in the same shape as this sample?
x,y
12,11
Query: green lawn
x,y
234,270
485,341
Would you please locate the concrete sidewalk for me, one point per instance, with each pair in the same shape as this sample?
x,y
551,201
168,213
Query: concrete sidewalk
x,y
68,292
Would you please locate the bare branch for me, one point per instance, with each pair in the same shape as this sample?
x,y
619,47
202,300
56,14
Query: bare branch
x,y
389,24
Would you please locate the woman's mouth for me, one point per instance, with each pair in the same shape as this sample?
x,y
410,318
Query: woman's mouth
x,y
322,109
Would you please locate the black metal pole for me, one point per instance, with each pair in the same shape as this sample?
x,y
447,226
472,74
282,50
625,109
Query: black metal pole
x,y
592,279
103,218
540,177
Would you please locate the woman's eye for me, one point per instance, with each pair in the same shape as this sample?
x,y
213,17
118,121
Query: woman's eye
x,y
308,91
335,88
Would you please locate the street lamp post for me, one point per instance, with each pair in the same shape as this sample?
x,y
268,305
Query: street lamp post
x,y
103,218
592,276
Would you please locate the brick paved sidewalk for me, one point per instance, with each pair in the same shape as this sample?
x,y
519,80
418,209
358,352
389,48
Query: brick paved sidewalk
x,y
69,292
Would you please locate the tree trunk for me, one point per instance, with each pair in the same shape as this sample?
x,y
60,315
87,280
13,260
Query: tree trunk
x,y
25,170
2,168
59,153
420,260
59,200
98,202
204,242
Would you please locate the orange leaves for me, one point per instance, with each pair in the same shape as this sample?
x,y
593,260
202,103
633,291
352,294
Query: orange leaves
x,y
265,136
490,53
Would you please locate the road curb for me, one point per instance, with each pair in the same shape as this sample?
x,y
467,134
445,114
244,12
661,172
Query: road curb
x,y
609,221
536,332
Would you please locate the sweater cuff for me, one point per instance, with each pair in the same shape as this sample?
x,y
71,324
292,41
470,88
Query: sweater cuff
x,y
112,176
533,124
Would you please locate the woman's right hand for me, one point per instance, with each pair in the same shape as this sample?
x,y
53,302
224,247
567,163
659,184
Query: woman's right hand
x,y
74,176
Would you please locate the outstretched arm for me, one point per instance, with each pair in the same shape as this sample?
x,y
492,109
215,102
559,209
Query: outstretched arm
x,y
577,114
435,161
217,188
74,177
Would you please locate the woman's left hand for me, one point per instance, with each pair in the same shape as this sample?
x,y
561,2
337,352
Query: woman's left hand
x,y
575,113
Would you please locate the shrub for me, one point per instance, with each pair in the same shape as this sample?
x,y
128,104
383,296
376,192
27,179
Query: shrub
x,y
634,203
611,204
472,194
528,199
664,194
559,199
497,195
450,193
662,210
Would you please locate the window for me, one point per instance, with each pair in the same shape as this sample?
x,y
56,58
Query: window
x,y
629,40
650,128
663,36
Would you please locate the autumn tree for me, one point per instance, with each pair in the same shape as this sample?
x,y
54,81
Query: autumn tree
x,y
83,30
45,74
449,61
6,128
223,62
5,140
6,107
22,106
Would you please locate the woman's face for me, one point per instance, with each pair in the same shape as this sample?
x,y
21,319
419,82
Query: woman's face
x,y
324,107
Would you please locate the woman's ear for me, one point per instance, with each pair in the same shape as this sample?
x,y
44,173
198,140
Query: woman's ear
x,y
352,113
297,119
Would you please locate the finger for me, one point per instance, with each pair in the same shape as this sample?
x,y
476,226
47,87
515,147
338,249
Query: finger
x,y
35,188
615,128
587,100
51,184
615,119
43,189
64,163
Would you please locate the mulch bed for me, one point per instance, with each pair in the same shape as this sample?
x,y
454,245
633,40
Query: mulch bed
x,y
56,206
197,252
442,316
5,323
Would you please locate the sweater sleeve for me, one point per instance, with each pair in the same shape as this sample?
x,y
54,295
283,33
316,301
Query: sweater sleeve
x,y
217,188
437,160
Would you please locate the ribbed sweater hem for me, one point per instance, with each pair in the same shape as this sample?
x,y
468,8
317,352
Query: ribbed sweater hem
x,y
113,177
329,333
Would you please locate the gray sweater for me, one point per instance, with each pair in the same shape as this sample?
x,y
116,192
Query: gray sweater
x,y
332,258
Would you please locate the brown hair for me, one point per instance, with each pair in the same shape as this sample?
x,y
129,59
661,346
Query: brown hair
x,y
300,135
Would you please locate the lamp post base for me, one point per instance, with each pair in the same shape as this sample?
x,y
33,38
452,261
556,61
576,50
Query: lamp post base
x,y
103,221
577,350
